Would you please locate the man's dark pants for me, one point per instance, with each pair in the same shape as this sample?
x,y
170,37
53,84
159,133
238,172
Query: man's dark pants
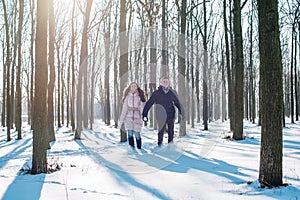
x,y
162,128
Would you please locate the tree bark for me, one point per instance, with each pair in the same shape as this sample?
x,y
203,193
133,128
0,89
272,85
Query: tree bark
x,y
123,67
107,70
73,70
239,72
270,168
7,63
292,76
18,112
82,71
164,69
58,85
4,89
182,65
30,107
205,81
40,136
52,73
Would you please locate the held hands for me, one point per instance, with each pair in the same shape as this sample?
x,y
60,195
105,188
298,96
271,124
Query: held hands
x,y
145,119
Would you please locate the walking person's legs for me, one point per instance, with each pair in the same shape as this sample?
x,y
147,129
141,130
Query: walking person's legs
x,y
130,138
138,139
161,130
170,123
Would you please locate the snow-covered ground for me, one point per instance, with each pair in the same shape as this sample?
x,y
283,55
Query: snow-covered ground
x,y
201,165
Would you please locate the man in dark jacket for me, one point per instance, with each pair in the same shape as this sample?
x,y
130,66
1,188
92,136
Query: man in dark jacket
x,y
165,98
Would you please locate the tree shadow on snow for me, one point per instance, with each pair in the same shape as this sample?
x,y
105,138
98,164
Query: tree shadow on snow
x,y
122,176
25,186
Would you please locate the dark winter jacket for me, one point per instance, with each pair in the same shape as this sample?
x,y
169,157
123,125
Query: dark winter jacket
x,y
164,108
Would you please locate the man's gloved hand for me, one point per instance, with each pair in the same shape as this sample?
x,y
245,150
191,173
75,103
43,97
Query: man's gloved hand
x,y
145,119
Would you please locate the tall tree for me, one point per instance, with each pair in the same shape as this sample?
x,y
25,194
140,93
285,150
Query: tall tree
x,y
32,37
116,88
239,72
164,70
18,112
107,70
123,45
73,68
83,70
40,129
205,66
182,63
7,64
3,90
58,46
51,83
292,76
270,167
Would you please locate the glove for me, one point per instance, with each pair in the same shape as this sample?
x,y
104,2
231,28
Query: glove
x,y
145,119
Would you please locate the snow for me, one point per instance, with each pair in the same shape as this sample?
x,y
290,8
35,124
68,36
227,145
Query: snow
x,y
201,165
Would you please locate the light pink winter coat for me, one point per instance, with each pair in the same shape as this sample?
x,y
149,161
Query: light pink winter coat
x,y
132,110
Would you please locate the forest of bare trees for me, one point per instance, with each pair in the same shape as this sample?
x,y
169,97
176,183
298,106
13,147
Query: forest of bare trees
x,y
66,63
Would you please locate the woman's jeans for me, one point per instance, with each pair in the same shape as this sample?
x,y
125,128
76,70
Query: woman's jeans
x,y
137,137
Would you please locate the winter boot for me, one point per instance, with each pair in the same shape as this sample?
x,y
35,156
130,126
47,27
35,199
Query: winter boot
x,y
139,143
131,142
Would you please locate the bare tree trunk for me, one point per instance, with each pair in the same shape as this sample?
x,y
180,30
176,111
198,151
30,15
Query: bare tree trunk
x,y
40,136
92,109
295,82
116,91
204,84
123,67
4,89
83,68
187,111
224,113
153,68
239,72
19,67
62,94
13,73
182,65
30,107
232,69
270,170
58,85
164,69
198,82
145,78
292,77
52,73
8,97
246,94
73,69
107,69
85,94
192,71
68,88
251,71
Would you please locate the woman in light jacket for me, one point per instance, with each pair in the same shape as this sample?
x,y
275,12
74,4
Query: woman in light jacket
x,y
131,115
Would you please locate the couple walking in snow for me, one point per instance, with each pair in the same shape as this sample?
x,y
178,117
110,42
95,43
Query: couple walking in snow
x,y
135,110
